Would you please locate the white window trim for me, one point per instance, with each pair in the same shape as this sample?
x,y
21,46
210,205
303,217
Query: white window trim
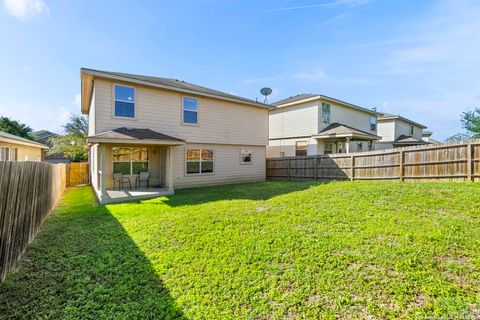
x,y
131,162
183,112
7,153
134,102
200,166
251,157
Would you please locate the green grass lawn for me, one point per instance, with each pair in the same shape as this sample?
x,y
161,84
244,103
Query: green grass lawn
x,y
266,250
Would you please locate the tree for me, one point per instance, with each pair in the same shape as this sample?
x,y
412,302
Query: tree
x,y
78,125
471,122
16,128
72,145
459,137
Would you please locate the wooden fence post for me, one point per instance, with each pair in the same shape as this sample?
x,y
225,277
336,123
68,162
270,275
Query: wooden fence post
x,y
288,168
469,162
401,162
315,167
352,167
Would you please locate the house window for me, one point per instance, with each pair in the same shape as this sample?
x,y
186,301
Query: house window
x,y
14,154
190,110
245,156
328,148
325,112
340,147
282,154
411,130
130,160
360,146
124,101
373,123
4,153
199,161
301,148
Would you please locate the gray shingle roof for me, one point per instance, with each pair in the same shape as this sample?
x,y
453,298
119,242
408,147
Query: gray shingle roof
x,y
298,97
304,96
387,116
403,139
173,84
134,134
342,129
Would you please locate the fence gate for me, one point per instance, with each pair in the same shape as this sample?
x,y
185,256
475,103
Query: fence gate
x,y
77,173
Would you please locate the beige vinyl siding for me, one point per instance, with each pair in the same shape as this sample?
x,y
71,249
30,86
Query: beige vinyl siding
x,y
25,153
227,167
351,117
386,130
295,121
161,110
287,146
403,127
91,115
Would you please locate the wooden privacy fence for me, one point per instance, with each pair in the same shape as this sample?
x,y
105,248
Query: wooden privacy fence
x,y
448,162
77,173
28,192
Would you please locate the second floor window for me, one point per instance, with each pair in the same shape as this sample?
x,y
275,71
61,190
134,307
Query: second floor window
x,y
373,123
411,130
325,112
190,110
124,101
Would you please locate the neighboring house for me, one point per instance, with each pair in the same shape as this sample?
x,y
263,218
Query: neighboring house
x,y
397,131
427,137
14,148
182,134
44,137
311,124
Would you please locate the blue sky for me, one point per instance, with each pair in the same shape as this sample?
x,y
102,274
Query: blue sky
x,y
420,59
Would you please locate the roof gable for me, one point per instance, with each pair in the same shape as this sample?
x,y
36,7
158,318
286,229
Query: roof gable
x,y
306,97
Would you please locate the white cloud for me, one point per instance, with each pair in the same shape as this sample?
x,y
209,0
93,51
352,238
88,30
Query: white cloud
x,y
24,9
336,3
78,100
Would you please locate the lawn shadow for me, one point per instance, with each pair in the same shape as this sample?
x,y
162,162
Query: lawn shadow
x,y
84,265
244,191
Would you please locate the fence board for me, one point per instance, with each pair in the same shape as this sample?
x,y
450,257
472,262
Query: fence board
x,y
77,173
28,192
449,162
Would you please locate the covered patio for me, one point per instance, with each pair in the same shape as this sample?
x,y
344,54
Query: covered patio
x,y
340,138
129,164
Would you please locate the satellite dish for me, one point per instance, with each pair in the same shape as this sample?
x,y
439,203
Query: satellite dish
x,y
266,92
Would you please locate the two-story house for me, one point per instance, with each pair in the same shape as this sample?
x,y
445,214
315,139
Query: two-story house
x,y
176,133
313,124
397,131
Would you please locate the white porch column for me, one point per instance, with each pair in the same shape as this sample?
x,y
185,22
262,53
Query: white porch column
x,y
347,145
103,171
169,169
